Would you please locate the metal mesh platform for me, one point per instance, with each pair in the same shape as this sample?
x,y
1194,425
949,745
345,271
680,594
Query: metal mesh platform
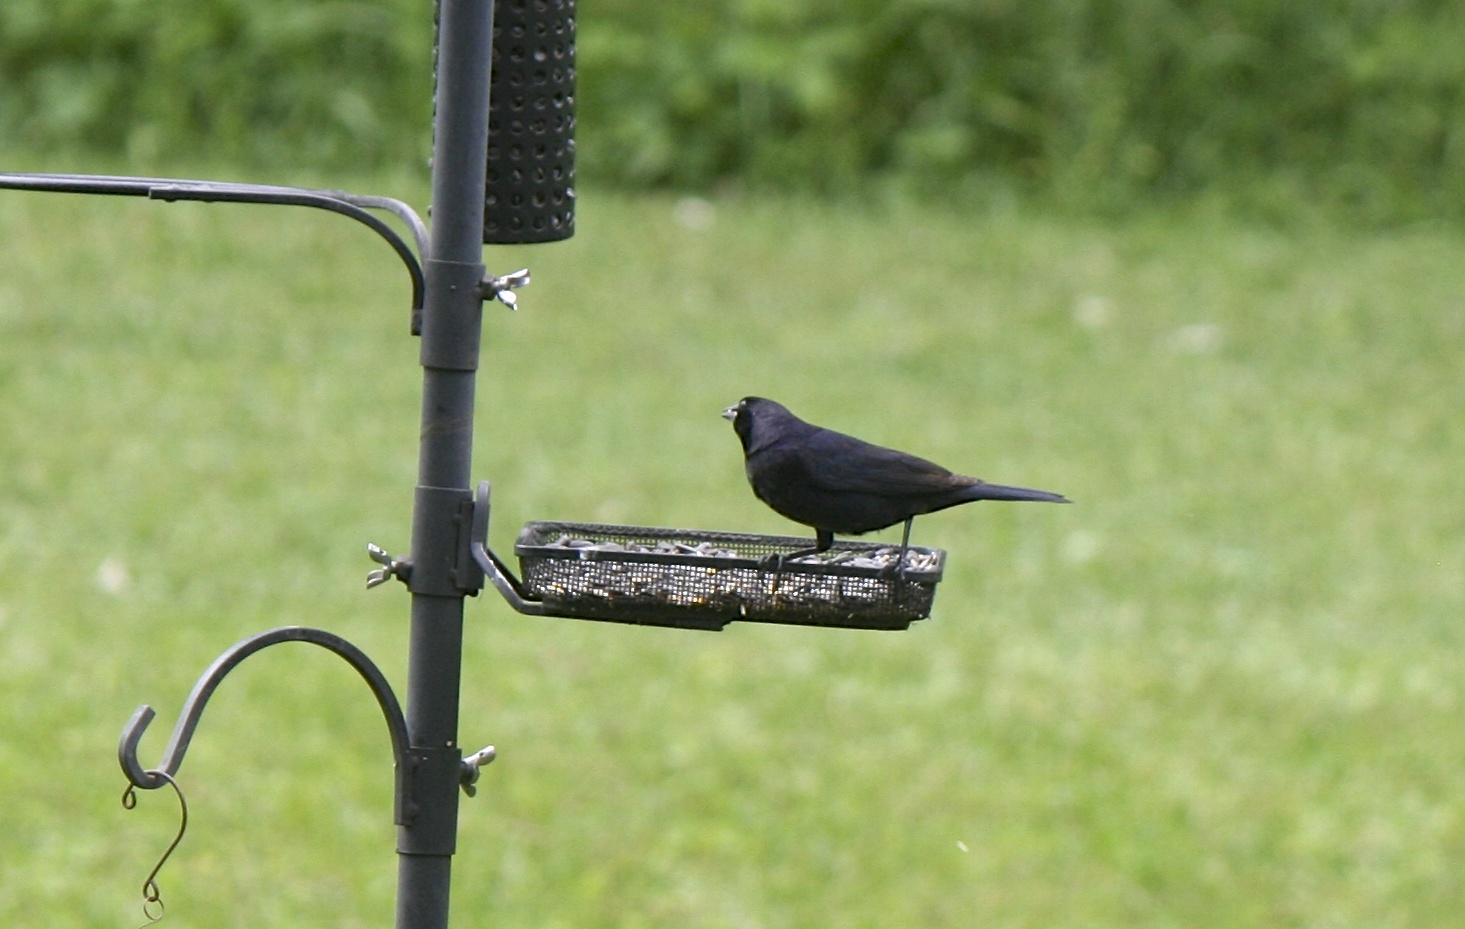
x,y
692,578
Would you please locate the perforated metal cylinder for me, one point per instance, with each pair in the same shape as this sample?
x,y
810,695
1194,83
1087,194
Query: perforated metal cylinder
x,y
530,195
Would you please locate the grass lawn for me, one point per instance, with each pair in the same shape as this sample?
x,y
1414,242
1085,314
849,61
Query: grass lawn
x,y
1223,690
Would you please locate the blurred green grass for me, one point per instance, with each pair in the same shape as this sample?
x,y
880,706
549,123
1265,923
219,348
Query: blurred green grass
x,y
1223,690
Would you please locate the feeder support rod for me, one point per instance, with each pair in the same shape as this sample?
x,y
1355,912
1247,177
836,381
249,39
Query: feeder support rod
x,y
442,505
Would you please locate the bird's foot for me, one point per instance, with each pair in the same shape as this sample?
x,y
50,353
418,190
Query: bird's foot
x,y
895,571
773,562
776,561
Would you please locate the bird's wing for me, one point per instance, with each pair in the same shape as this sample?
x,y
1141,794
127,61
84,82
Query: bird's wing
x,y
843,463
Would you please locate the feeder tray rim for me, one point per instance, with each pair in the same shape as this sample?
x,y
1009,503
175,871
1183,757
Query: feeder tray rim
x,y
531,535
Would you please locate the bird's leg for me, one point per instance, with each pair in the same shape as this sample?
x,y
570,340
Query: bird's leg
x,y
898,569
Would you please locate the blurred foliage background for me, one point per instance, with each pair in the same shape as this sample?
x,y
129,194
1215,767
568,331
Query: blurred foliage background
x,y
1091,105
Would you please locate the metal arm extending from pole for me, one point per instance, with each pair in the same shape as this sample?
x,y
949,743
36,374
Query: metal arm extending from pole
x,y
354,206
193,707
408,761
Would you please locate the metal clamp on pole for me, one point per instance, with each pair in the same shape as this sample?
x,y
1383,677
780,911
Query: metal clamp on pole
x,y
443,564
451,333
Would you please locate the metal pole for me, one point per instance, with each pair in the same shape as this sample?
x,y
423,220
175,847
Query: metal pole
x,y
442,506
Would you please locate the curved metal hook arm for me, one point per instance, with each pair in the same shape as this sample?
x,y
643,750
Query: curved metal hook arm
x,y
321,200
193,707
168,189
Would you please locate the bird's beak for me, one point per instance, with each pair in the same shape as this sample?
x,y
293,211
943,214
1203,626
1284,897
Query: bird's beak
x,y
730,413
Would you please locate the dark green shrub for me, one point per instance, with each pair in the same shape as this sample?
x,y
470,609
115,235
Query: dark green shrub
x,y
1092,104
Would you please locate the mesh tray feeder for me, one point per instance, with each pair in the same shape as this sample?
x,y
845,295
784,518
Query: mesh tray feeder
x,y
704,580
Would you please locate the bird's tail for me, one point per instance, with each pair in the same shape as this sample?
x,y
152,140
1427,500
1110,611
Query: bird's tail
x,y
985,491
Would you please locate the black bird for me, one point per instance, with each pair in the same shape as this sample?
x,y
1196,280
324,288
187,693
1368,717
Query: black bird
x,y
836,483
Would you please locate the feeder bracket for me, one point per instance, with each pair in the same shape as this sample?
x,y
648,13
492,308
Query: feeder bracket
x,y
495,570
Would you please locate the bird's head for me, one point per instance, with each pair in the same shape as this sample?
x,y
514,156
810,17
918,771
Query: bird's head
x,y
752,418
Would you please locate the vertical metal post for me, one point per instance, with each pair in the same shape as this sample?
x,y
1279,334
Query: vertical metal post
x,y
451,322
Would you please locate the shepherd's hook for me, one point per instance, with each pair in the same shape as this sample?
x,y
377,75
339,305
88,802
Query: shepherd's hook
x,y
193,707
